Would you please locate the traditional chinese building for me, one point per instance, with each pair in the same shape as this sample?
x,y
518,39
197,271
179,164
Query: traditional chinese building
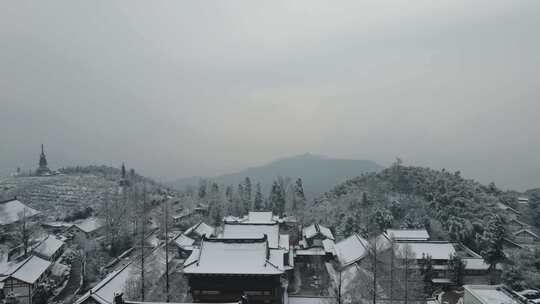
x,y
225,270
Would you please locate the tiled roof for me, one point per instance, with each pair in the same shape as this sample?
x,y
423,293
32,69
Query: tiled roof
x,y
12,210
235,256
252,231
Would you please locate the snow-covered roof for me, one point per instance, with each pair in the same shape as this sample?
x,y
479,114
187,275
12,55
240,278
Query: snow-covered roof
x,y
12,210
310,251
116,281
261,217
517,222
523,199
526,231
113,283
328,246
183,241
59,269
475,264
201,229
506,207
57,224
28,270
490,294
231,218
311,300
351,249
408,234
48,247
253,217
316,229
89,225
234,256
437,250
252,231
284,241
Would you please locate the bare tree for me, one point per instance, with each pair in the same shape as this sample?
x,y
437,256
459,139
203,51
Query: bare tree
x,y
25,229
139,200
166,222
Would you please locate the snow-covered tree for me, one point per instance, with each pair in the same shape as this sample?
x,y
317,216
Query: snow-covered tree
x,y
258,203
493,240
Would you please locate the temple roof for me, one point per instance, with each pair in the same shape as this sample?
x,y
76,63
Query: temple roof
x,y
235,256
253,231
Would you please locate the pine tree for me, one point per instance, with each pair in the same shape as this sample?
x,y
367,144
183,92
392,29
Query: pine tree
x,y
258,202
246,195
277,199
214,206
383,218
456,267
299,199
247,190
427,271
493,240
202,189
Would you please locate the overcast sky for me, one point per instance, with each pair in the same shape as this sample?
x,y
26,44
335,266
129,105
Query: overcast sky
x,y
180,88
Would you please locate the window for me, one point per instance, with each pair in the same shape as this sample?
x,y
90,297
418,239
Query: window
x,y
253,293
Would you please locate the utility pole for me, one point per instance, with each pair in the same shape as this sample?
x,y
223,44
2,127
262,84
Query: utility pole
x,y
406,274
392,253
143,222
375,272
167,250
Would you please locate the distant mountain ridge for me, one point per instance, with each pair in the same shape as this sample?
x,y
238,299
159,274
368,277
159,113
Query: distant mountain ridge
x,y
319,173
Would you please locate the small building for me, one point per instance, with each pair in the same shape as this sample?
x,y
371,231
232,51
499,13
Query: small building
x,y
525,236
104,291
488,294
124,277
351,250
89,228
22,279
313,236
223,270
440,252
197,231
55,227
181,216
13,210
523,200
400,235
184,244
50,248
254,217
508,211
201,209
516,225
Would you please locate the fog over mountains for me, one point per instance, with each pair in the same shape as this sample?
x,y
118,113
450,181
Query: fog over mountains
x,y
319,173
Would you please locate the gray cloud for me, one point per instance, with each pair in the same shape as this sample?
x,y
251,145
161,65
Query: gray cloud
x,y
195,88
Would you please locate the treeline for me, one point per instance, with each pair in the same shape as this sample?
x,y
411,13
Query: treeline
x,y
107,172
285,198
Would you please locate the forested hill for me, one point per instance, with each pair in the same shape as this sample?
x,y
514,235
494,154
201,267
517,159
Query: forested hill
x,y
447,204
319,173
75,190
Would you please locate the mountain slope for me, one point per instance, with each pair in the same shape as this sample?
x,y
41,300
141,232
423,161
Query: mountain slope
x,y
448,205
318,173
76,189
